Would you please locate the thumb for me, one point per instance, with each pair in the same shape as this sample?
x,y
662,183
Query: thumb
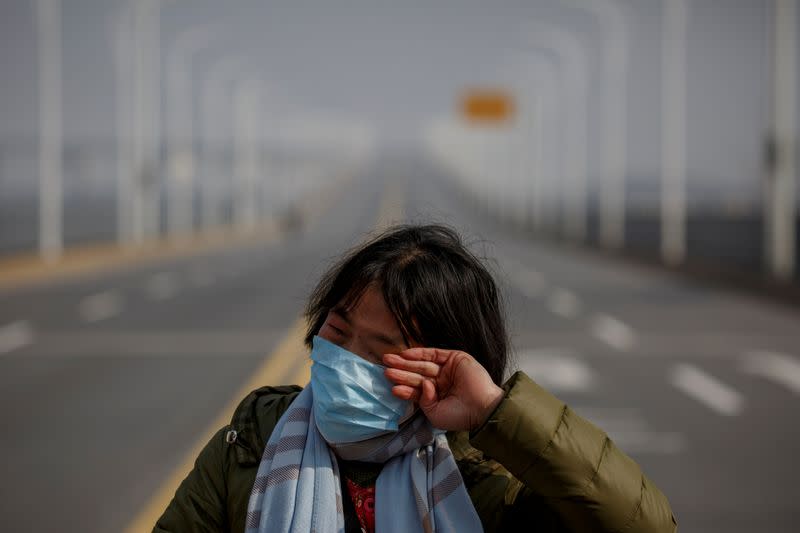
x,y
428,398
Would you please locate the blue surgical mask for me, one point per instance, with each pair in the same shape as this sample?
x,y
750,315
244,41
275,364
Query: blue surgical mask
x,y
353,400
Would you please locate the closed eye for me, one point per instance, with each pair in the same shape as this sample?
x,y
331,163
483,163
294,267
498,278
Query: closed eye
x,y
335,329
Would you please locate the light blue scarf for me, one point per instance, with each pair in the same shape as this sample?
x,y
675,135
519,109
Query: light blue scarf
x,y
297,487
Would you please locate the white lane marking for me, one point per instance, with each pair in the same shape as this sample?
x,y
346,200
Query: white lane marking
x,y
613,332
656,442
101,306
104,343
706,389
201,277
161,286
780,368
563,303
15,335
630,431
556,369
530,282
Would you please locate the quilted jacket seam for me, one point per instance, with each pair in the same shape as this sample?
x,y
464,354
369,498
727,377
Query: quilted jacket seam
x,y
552,438
631,519
596,473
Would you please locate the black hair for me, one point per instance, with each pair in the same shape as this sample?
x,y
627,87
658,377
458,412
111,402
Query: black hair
x,y
439,292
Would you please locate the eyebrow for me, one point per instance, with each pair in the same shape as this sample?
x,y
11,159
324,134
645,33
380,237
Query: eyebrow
x,y
342,313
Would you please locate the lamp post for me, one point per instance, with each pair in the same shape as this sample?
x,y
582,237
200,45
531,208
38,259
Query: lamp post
x,y
247,109
615,50
145,153
180,157
573,65
781,201
122,35
673,131
214,102
543,99
51,143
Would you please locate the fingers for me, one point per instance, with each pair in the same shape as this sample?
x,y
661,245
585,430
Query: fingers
x,y
425,395
433,355
428,397
422,367
407,385
404,392
403,377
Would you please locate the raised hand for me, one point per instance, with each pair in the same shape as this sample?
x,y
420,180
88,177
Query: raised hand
x,y
453,390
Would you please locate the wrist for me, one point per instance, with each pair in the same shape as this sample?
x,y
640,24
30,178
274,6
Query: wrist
x,y
493,398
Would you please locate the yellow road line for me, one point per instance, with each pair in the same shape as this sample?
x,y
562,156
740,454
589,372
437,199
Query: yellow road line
x,y
275,369
303,374
26,270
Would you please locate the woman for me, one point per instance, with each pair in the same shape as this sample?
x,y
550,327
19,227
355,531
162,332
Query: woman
x,y
406,424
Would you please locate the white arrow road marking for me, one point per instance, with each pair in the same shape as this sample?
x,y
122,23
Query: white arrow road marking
x,y
15,335
563,303
706,389
161,286
613,332
101,306
780,368
556,369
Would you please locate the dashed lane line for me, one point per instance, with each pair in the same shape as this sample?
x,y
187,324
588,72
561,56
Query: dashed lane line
x,y
706,389
530,282
556,369
777,367
631,432
201,277
101,306
15,335
162,286
563,303
613,332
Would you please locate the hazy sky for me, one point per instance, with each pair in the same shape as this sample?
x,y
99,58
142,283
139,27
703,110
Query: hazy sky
x,y
397,63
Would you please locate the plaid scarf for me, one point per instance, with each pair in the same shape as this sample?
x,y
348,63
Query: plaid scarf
x,y
297,487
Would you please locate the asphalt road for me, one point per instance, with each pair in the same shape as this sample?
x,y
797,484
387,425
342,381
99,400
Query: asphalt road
x,y
107,381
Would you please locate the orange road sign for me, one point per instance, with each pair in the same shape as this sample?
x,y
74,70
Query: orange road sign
x,y
487,105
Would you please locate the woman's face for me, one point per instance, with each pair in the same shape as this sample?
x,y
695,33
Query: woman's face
x,y
368,329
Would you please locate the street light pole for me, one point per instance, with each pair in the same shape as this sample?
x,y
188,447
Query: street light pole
x,y
781,212
122,33
180,156
146,153
615,49
246,113
537,180
574,65
213,104
51,240
673,133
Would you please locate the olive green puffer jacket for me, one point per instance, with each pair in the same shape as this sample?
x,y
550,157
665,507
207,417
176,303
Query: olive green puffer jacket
x,y
535,465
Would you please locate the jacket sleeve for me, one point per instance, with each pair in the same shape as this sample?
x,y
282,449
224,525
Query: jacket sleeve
x,y
199,503
571,464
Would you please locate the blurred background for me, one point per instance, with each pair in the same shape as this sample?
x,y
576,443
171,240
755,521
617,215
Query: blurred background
x,y
175,176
